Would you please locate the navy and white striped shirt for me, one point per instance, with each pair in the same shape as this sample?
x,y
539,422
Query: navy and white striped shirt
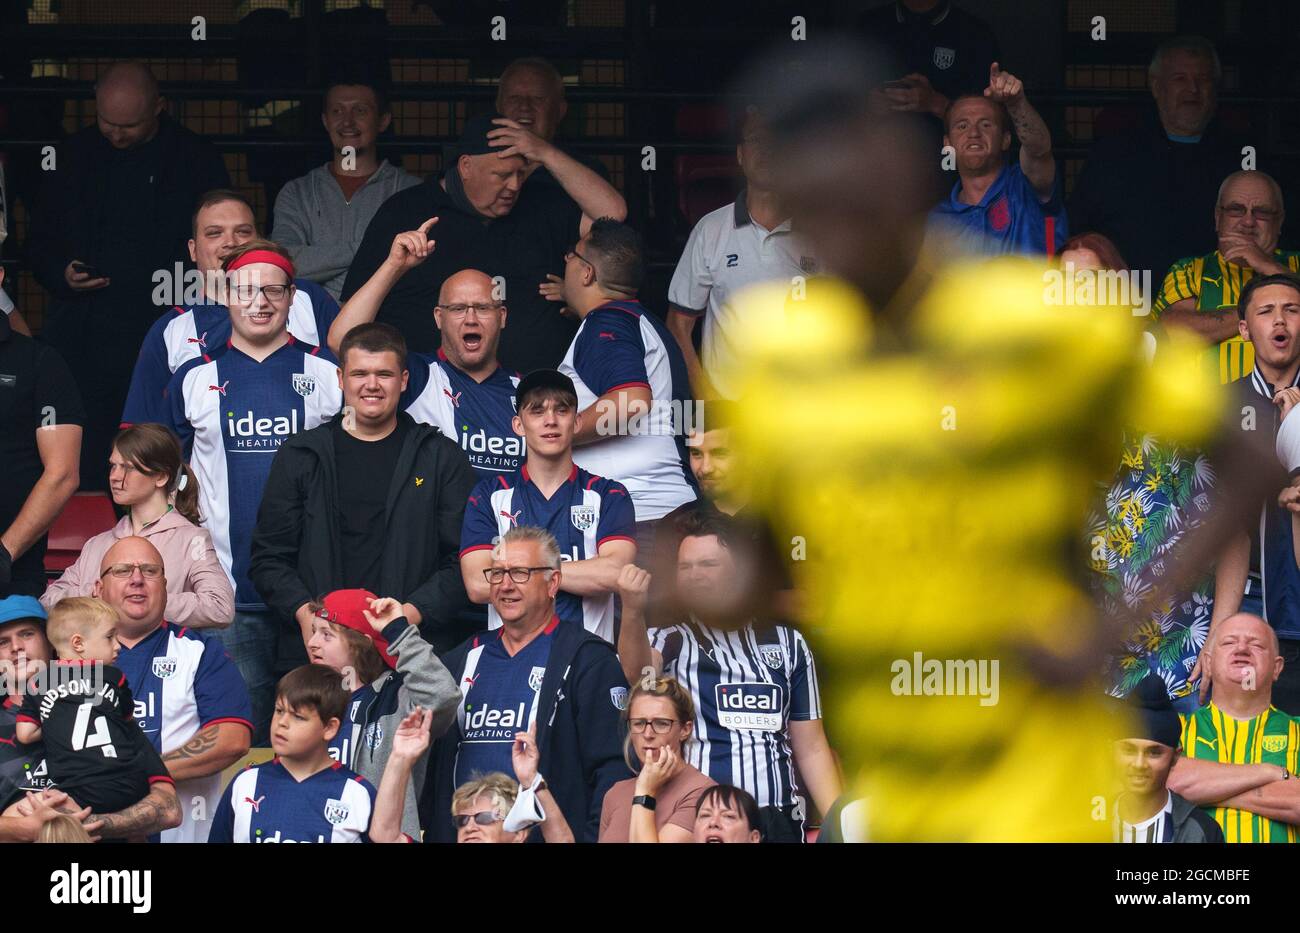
x,y
747,684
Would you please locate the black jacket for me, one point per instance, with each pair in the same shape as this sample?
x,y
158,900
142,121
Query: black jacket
x,y
296,548
579,733
1192,824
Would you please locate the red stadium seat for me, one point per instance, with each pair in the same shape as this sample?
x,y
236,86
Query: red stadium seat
x,y
86,515
704,182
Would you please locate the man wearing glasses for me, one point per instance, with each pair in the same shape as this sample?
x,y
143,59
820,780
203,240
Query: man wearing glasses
x,y
461,389
232,408
1201,292
591,518
536,674
190,700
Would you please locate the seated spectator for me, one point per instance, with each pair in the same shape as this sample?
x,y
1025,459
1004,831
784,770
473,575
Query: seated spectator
x,y
535,674
753,682
388,668
115,768
996,207
149,480
630,376
462,389
40,446
189,698
591,517
1247,785
1201,292
310,797
730,248
1167,167
484,806
726,814
232,410
1147,811
223,222
1269,318
658,805
321,217
24,652
488,219
369,500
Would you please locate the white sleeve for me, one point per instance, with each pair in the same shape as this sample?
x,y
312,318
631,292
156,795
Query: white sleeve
x,y
692,279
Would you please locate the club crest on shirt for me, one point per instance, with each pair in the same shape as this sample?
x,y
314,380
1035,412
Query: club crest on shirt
x,y
1274,743
304,384
944,57
336,811
808,264
618,696
164,667
582,516
535,678
374,735
773,656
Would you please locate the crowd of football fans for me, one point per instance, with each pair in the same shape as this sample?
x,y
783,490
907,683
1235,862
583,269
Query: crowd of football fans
x,y
416,493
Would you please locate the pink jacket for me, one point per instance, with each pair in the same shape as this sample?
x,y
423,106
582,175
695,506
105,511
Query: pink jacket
x,y
199,594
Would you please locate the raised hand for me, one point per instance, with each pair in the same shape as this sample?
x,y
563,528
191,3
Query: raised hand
x,y
411,739
633,587
383,611
1004,87
413,247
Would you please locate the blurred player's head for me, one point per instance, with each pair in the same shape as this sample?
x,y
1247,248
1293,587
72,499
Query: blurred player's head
x,y
532,554
715,568
754,150
83,628
546,413
127,105
712,457
259,291
856,183
608,264
726,814
132,579
1249,205
1092,251
355,113
1184,75
531,93
1145,758
470,318
372,373
979,131
490,183
22,639
1245,656
479,808
222,221
1269,317
309,706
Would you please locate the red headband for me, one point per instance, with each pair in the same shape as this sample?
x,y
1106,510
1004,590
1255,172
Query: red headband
x,y
262,255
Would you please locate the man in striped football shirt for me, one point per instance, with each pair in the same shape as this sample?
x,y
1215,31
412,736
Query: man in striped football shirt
x,y
1239,751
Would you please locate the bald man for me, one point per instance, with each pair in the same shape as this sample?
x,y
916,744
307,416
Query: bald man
x,y
110,229
461,389
1240,752
189,698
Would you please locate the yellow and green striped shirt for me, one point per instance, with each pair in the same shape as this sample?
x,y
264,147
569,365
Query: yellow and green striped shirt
x,y
1272,737
1216,284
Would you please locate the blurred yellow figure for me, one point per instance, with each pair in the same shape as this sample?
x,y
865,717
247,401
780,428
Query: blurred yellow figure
x,y
940,489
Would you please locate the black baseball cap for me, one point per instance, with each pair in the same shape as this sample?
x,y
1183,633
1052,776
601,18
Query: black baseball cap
x,y
543,379
473,138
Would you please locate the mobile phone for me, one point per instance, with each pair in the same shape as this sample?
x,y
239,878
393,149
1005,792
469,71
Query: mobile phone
x,y
82,268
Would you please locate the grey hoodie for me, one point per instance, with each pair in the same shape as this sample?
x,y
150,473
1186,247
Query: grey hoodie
x,y
423,681
321,230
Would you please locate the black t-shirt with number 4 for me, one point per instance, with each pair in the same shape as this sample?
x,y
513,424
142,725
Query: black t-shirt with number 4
x,y
94,749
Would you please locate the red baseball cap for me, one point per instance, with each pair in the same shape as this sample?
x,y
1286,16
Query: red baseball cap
x,y
348,608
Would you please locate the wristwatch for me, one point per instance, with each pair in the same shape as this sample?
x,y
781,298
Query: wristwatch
x,y
644,800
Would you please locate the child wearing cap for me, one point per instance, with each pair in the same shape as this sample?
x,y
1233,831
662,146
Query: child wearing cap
x,y
83,712
303,794
1147,811
389,670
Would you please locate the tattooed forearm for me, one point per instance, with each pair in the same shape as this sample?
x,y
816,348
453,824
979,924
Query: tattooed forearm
x,y
160,810
1030,128
199,744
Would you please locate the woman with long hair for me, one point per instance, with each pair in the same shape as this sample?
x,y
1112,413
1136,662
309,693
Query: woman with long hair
x,y
149,479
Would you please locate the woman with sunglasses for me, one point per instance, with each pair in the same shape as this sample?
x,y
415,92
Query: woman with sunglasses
x,y
152,484
658,805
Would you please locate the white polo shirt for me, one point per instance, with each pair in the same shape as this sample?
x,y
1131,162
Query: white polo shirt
x,y
727,252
